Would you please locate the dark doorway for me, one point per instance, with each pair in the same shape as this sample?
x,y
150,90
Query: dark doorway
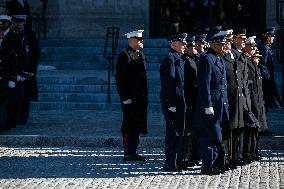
x,y
170,16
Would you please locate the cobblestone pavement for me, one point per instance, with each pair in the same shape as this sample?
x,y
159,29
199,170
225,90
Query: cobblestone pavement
x,y
34,167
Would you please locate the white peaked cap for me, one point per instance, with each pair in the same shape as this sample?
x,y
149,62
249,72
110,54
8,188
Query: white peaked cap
x,y
223,33
5,17
250,40
137,33
230,32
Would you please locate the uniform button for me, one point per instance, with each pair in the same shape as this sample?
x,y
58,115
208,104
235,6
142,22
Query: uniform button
x,y
223,78
237,79
225,103
236,71
238,87
239,94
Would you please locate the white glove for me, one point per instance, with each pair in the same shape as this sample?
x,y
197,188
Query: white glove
x,y
209,110
20,78
173,109
128,101
11,84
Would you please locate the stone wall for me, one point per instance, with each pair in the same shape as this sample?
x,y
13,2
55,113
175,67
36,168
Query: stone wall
x,y
87,19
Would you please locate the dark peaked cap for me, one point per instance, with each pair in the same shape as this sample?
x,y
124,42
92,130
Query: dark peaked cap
x,y
269,31
240,34
181,37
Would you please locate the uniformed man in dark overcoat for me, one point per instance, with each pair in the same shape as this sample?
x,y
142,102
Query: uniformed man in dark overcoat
x,y
251,129
7,65
20,7
212,112
28,62
235,99
10,40
131,81
173,102
257,100
191,144
248,117
267,63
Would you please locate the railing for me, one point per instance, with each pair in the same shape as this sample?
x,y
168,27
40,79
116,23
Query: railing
x,y
110,47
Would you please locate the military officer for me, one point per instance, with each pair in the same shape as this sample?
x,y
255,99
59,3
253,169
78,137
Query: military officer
x,y
28,62
7,67
131,81
249,119
267,62
20,7
173,101
211,112
9,41
251,129
191,144
235,99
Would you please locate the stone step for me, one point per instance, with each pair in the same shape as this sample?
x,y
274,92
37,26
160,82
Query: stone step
x,y
92,54
82,77
87,97
70,106
96,88
100,43
86,65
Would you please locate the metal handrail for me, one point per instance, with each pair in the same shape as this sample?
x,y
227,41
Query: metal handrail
x,y
110,47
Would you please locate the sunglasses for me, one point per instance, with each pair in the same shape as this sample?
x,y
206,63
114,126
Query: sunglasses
x,y
138,38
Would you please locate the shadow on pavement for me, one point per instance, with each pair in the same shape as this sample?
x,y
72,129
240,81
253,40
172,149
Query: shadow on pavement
x,y
22,163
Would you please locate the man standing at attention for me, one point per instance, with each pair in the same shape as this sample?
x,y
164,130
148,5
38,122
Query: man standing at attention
x,y
212,113
173,102
131,81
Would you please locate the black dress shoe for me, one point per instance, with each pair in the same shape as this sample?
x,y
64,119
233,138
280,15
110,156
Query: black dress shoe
x,y
231,166
170,168
257,158
135,157
196,162
239,162
210,171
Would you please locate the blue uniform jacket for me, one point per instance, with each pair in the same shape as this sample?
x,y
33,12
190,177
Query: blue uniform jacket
x,y
212,92
172,90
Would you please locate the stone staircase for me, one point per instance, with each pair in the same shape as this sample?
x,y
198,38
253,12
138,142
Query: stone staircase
x,y
79,81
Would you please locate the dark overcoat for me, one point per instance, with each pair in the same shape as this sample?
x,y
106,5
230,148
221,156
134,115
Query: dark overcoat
x,y
270,92
212,92
10,42
250,119
8,61
131,81
256,94
31,88
172,90
190,87
235,93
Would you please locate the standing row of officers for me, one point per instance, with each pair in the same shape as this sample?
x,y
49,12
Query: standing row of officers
x,y
19,57
215,89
